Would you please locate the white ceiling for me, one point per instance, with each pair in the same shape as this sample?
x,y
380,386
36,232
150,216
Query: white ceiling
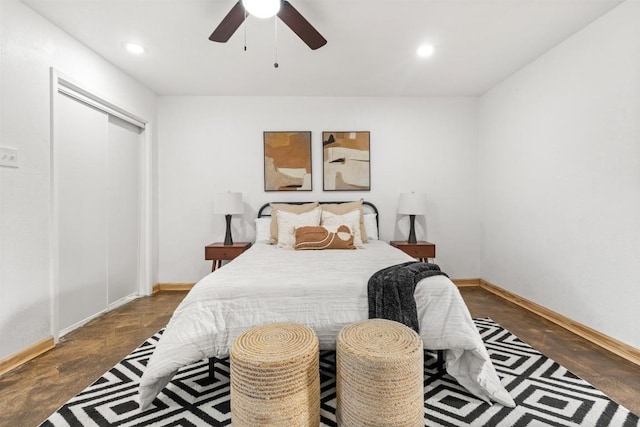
x,y
370,50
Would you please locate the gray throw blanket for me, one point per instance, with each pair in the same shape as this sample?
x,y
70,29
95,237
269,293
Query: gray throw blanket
x,y
390,291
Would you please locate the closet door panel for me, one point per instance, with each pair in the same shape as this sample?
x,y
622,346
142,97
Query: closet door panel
x,y
123,200
81,171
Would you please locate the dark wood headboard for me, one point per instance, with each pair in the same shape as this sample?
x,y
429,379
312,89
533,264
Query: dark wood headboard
x,y
367,207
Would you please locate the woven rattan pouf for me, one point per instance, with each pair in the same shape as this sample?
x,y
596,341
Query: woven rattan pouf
x,y
379,375
275,377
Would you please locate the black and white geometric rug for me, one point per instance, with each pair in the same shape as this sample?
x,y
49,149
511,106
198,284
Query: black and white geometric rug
x,y
545,394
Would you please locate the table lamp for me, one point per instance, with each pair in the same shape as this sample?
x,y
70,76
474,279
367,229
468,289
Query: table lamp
x,y
228,204
412,204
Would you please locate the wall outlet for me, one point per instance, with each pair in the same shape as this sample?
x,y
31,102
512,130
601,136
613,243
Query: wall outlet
x,y
9,157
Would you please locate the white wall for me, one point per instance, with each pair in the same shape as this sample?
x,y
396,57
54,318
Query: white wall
x,y
555,148
29,46
559,146
214,144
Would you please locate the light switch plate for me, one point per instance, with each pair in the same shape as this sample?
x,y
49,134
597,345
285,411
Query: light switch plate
x,y
9,157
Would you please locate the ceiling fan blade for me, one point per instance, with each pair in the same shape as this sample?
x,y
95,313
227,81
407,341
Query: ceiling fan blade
x,y
301,26
229,24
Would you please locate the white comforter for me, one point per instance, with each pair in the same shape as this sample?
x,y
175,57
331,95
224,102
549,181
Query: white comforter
x,y
325,290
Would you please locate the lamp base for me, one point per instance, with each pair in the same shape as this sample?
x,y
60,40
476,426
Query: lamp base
x,y
412,229
228,240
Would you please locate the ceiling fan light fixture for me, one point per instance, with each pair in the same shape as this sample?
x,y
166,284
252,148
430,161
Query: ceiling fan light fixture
x,y
262,8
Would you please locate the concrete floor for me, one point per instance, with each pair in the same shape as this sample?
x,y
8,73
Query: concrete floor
x,y
30,393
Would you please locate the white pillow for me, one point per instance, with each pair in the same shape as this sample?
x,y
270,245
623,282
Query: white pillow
x,y
263,229
371,226
350,219
288,221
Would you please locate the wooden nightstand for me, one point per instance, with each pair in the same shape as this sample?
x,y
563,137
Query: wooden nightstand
x,y
218,252
420,250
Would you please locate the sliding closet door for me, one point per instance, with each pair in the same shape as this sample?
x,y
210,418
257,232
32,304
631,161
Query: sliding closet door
x,y
123,210
96,176
81,151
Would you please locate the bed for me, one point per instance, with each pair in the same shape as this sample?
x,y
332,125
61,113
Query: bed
x,y
324,289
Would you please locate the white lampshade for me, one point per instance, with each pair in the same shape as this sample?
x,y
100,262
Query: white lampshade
x,y
228,204
412,204
262,8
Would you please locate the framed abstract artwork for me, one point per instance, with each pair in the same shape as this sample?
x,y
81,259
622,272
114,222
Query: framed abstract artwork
x,y
287,161
345,161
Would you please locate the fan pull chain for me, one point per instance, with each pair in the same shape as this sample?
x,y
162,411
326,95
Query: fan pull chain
x,y
275,20
246,14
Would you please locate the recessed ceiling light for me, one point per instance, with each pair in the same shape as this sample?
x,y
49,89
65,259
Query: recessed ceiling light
x,y
425,50
134,48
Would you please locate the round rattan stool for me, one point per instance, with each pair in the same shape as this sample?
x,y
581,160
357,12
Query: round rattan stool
x,y
379,375
275,376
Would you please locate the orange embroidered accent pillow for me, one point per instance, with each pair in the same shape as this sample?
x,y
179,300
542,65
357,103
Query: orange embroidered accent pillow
x,y
318,237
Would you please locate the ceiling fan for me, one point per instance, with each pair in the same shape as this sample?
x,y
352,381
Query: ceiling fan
x,y
287,13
